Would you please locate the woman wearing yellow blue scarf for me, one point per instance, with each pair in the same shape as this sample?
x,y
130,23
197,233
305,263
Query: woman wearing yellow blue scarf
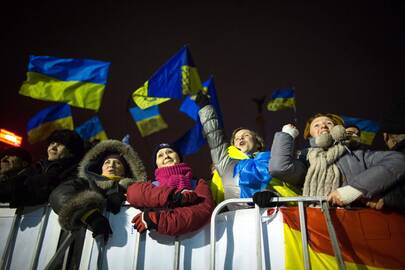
x,y
242,164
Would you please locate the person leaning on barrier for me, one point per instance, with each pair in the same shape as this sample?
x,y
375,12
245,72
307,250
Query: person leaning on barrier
x,y
65,148
330,168
175,203
104,174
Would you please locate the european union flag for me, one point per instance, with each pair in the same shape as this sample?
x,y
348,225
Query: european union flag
x,y
177,77
78,82
92,130
368,128
52,118
149,120
281,99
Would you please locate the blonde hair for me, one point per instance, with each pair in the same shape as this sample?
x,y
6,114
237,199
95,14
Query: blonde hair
x,y
336,119
259,140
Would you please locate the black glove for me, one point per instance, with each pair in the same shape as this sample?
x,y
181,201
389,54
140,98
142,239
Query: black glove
x,y
99,225
114,202
202,100
262,198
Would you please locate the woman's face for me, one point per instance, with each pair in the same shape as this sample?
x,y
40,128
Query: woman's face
x,y
245,141
113,167
320,125
166,157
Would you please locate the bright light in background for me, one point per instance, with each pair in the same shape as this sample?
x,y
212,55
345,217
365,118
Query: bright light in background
x,y
10,138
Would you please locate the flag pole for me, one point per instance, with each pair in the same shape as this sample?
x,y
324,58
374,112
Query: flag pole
x,y
259,118
295,108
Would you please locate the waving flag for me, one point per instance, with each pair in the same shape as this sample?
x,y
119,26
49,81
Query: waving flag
x,y
194,139
281,99
177,77
55,117
92,130
149,120
368,128
78,82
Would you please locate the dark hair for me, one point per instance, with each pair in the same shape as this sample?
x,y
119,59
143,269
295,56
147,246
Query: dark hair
x,y
356,127
258,140
18,152
162,146
70,139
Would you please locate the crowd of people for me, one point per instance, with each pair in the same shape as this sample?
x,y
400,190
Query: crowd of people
x,y
81,185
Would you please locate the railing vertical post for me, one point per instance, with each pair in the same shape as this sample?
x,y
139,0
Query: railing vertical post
x,y
259,238
332,235
40,238
303,229
5,259
176,254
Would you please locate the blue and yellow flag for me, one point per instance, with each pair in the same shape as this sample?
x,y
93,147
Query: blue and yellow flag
x,y
368,128
194,139
48,120
78,82
149,120
177,77
92,130
281,99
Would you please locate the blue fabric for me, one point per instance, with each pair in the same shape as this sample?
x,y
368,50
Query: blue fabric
x,y
253,174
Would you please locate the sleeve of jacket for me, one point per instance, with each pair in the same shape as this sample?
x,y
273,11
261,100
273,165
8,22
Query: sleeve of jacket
x,y
182,220
146,195
71,200
215,138
385,169
283,164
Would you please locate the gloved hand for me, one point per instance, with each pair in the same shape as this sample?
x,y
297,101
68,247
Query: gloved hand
x,y
99,225
202,99
262,198
114,202
291,129
183,198
147,220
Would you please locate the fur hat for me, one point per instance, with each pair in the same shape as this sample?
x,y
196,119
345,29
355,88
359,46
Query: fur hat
x,y
18,152
70,139
162,146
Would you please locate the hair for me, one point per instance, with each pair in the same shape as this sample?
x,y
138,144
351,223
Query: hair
x,y
259,140
354,126
336,119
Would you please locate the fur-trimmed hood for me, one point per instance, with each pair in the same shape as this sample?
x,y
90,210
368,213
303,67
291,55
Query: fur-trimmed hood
x,y
91,163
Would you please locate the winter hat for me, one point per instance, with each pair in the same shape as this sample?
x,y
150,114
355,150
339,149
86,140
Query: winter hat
x,y
70,139
165,145
18,152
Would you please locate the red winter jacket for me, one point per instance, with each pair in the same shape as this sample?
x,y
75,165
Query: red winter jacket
x,y
173,221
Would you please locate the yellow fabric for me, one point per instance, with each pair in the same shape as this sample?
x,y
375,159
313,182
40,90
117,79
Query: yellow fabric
x,y
141,99
281,187
191,82
294,258
86,215
79,94
367,137
113,177
281,103
217,187
151,125
43,131
99,136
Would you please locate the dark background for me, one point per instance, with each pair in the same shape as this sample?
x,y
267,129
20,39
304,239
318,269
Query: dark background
x,y
343,57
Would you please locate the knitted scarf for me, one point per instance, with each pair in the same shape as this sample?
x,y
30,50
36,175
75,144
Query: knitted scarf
x,y
323,175
177,176
253,173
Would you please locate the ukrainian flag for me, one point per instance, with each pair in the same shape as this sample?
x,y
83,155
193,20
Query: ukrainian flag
x,y
78,82
368,128
48,120
149,120
281,99
177,77
92,130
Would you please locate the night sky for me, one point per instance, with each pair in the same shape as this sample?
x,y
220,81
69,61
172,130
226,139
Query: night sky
x,y
344,57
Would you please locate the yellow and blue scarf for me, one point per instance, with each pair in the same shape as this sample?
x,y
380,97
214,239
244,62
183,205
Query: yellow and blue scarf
x,y
253,171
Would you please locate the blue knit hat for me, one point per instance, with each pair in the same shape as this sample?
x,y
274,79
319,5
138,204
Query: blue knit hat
x,y
165,145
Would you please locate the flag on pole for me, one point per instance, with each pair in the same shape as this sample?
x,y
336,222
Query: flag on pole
x,y
52,118
368,128
149,120
92,130
281,99
78,82
177,77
